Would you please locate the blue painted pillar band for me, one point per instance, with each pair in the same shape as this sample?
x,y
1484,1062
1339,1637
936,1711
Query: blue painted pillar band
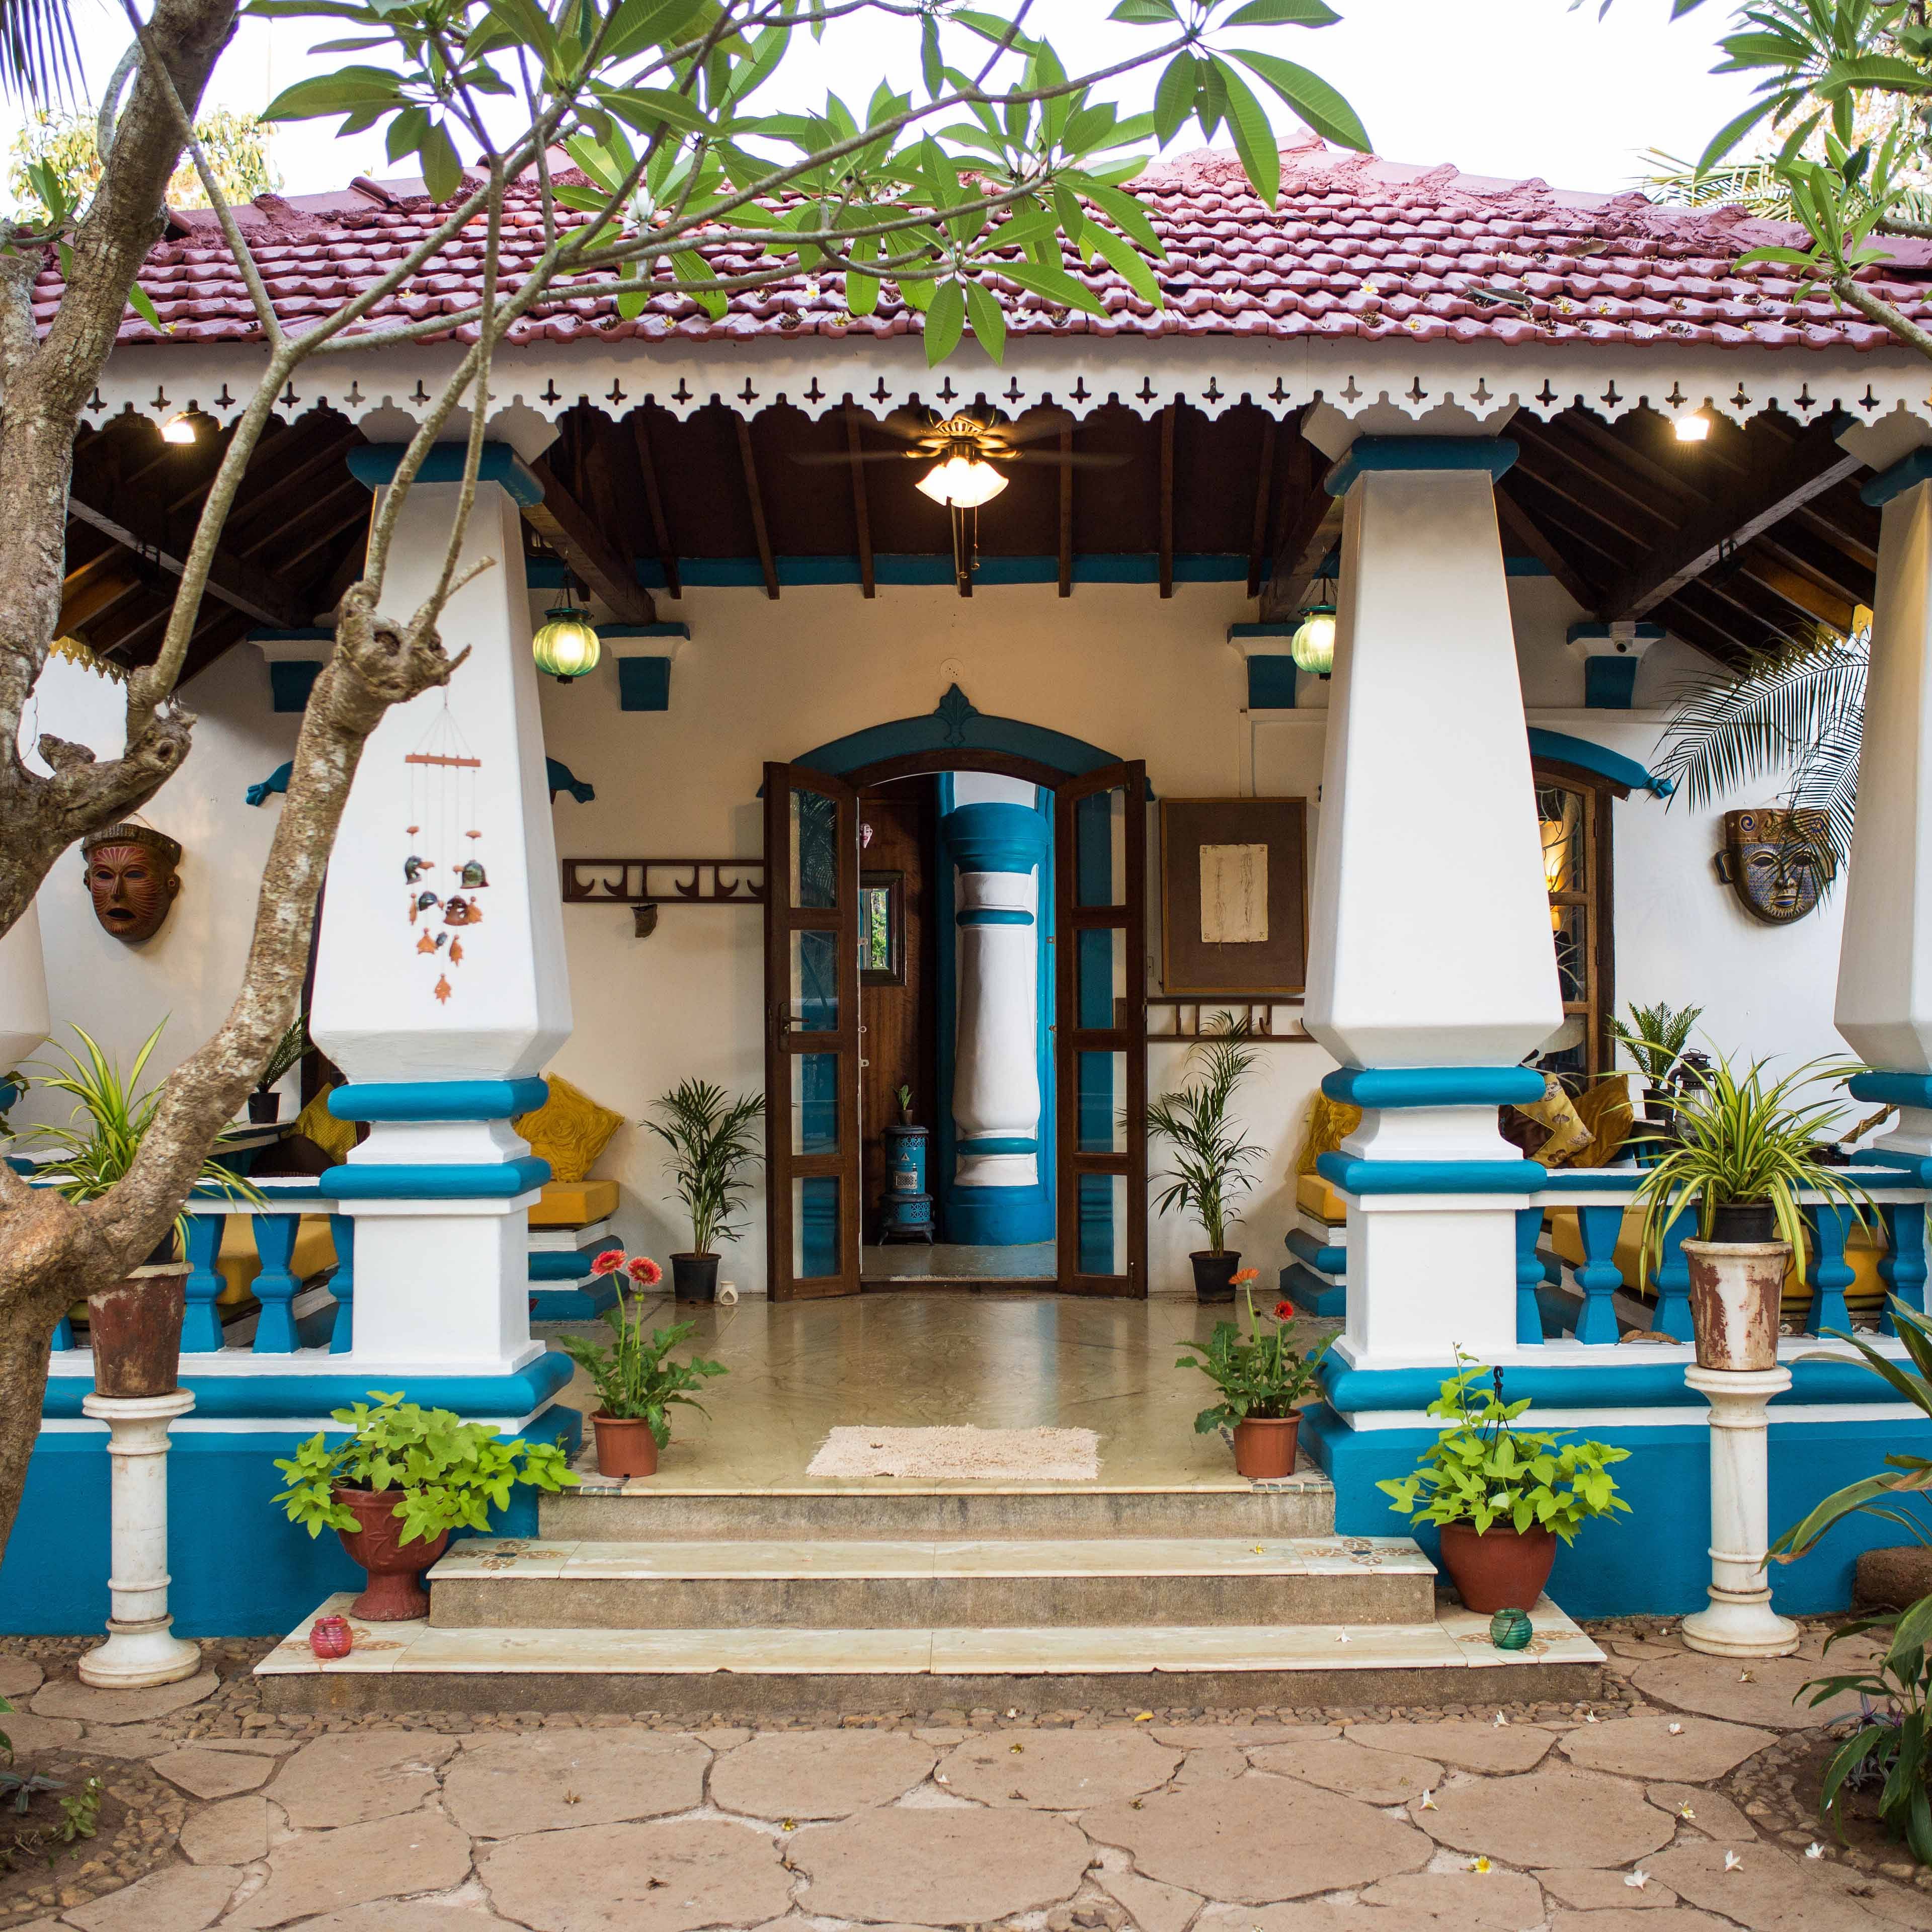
x,y
1435,1086
1495,454
438,1100
374,465
994,836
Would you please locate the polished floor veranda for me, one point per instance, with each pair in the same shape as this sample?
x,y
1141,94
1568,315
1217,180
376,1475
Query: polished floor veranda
x,y
911,1359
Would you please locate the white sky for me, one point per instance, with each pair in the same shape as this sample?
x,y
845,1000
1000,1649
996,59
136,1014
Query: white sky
x,y
1511,88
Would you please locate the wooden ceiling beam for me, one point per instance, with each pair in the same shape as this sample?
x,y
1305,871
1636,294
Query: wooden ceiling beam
x,y
1593,548
862,508
1167,501
1827,566
1607,443
95,600
1308,526
1066,544
243,585
761,535
647,474
1813,465
1817,518
1519,527
1264,489
1566,470
1796,588
256,505
575,534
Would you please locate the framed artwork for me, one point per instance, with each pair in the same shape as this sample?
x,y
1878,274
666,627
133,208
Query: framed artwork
x,y
882,928
1233,896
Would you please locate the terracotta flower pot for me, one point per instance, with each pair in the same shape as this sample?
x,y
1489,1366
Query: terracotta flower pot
x,y
1265,1446
135,1329
1736,1290
626,1446
1214,1274
1500,1568
394,1595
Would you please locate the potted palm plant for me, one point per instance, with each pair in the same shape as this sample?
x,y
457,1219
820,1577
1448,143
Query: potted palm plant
x,y
1261,1380
264,1105
407,1476
709,1137
133,1328
1500,1497
1211,1156
1742,1149
1655,1038
638,1384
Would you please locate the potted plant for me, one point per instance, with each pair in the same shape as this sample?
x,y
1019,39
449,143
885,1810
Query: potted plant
x,y
404,1479
1211,1156
1502,1497
264,1105
134,1327
1742,1150
636,1383
1655,1038
711,1147
1261,1380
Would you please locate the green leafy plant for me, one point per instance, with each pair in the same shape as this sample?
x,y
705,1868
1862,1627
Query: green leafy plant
x,y
447,1474
1259,1375
1889,1748
288,1049
711,1146
115,1115
1482,1470
1656,1037
635,1379
1737,1139
80,1813
903,1095
1212,1157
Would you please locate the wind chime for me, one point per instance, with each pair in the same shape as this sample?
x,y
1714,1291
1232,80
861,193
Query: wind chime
x,y
444,870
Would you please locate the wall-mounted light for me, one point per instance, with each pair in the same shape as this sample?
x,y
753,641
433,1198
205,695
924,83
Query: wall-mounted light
x,y
178,428
566,646
1694,427
1312,647
962,483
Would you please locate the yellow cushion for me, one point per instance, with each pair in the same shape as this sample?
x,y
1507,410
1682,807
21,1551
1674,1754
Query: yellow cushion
x,y
1556,1111
1603,1107
569,1130
574,1203
1314,1195
239,1263
1865,1297
336,1138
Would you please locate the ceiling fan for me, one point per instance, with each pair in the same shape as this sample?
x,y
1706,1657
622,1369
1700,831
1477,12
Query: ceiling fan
x,y
963,450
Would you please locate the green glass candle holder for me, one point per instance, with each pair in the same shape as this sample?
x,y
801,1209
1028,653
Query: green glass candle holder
x,y
1510,1630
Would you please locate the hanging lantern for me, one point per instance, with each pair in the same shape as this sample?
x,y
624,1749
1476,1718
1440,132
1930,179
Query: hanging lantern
x,y
1312,647
566,646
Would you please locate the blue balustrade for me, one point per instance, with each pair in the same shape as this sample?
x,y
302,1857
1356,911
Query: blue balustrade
x,y
342,1283
1672,1280
1827,1273
1599,1277
1528,1276
63,1333
1902,1267
201,1326
276,1285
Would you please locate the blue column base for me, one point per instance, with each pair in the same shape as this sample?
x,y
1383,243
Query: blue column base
x,y
998,1217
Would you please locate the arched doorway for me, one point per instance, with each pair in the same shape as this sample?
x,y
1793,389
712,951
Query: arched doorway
x,y
1034,935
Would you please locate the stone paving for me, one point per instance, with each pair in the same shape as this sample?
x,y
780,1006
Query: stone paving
x,y
1666,1807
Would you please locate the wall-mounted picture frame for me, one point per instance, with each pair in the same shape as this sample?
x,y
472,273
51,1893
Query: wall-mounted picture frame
x,y
1234,895
882,928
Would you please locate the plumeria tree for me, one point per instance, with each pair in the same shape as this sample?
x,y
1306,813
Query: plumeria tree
x,y
1005,163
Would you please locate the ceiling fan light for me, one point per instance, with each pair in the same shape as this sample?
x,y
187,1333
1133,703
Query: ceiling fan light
x,y
566,646
1312,647
962,483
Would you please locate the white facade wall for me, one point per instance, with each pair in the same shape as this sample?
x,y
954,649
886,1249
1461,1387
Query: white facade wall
x,y
1116,665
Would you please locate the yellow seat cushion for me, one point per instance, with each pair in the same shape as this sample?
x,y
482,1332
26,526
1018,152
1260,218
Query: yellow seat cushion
x,y
1865,1298
574,1203
1314,1195
1603,1107
238,1263
1568,1136
1328,1124
336,1138
569,1130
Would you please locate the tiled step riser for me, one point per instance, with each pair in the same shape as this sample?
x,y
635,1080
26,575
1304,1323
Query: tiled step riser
x,y
911,1602
671,1516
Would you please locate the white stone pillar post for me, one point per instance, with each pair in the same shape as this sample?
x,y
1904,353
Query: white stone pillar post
x,y
440,986
140,1648
1884,965
1740,1621
997,843
24,1023
1431,973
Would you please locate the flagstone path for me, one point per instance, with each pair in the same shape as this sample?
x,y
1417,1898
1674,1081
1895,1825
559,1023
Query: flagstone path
x,y
1670,1806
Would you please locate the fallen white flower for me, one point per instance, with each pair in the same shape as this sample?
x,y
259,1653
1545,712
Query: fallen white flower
x,y
1479,1864
1637,1879
1733,1862
1676,1730
1500,1720
1428,1801
1814,1849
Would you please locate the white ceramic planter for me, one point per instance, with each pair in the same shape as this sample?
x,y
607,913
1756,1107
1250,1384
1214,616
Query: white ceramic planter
x,y
1735,1290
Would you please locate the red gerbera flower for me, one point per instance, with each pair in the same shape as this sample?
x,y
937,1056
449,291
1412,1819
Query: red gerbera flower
x,y
1284,1311
608,1262
1246,1275
644,1270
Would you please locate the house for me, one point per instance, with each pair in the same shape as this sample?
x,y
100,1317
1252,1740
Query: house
x,y
1462,410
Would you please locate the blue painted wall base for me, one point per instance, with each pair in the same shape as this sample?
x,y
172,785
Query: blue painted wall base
x,y
1655,1561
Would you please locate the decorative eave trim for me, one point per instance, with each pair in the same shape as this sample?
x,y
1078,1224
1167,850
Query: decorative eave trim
x,y
1079,373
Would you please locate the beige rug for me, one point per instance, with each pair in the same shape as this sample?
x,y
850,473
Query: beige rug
x,y
953,1455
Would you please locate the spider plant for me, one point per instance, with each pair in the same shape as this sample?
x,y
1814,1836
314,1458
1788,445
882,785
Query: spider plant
x,y
93,1157
710,1138
288,1049
1798,713
1656,1037
1212,1158
1746,1138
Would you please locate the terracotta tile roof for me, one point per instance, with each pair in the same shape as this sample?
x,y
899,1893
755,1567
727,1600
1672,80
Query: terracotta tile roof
x,y
1358,247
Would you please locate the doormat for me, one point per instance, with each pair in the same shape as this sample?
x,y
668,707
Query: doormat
x,y
962,1455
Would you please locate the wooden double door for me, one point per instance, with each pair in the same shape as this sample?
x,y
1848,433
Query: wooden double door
x,y
814,1040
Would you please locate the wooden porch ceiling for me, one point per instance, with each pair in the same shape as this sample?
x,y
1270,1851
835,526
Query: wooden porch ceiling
x,y
1751,538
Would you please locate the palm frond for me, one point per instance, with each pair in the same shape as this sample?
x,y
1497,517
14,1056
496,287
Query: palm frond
x,y
1797,714
39,54
1755,185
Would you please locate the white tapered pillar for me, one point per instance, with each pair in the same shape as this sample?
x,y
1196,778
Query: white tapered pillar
x,y
141,1648
1431,973
1740,1621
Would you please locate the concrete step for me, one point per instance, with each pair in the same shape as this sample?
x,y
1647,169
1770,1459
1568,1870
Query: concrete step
x,y
1302,1504
734,1674
830,1584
